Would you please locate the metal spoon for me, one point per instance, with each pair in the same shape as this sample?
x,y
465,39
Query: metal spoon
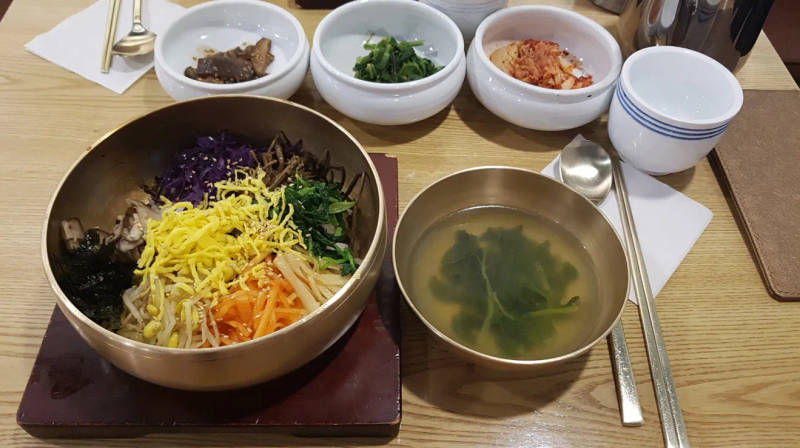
x,y
139,40
586,167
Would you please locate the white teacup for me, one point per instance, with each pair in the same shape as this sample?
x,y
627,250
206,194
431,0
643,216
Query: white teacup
x,y
670,108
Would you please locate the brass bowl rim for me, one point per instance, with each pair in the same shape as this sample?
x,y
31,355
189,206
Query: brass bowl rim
x,y
496,359
229,350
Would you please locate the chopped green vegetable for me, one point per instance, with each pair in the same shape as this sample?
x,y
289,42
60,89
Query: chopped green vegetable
x,y
94,280
390,61
509,287
320,212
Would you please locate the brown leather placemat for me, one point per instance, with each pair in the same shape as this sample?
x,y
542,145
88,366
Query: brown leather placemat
x,y
758,161
353,389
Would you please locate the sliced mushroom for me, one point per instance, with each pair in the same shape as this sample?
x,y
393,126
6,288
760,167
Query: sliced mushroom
x,y
72,233
102,236
260,55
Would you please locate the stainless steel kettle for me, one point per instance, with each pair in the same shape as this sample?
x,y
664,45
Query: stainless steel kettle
x,y
726,30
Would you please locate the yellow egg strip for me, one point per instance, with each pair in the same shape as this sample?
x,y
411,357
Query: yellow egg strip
x,y
193,248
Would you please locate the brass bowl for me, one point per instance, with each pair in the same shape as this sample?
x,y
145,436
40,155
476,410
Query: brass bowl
x,y
533,193
114,168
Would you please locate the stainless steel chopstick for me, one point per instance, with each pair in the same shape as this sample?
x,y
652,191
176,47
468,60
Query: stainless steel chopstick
x,y
669,409
111,31
628,396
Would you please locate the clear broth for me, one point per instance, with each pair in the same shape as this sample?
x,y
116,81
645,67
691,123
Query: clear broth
x,y
569,331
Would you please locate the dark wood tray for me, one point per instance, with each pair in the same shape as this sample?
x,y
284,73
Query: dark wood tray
x,y
353,389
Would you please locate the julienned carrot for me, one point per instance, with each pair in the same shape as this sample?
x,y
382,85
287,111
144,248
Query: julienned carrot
x,y
268,304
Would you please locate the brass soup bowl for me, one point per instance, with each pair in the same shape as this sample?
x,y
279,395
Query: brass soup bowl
x,y
536,194
95,188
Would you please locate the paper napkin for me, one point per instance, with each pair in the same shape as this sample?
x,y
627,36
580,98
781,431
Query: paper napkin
x,y
77,43
667,221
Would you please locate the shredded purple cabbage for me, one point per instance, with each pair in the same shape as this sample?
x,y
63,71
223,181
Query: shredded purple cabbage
x,y
194,171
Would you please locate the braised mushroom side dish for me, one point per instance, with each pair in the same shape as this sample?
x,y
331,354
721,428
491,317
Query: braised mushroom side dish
x,y
235,65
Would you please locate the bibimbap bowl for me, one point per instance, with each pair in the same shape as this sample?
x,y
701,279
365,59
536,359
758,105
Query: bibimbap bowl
x,y
95,190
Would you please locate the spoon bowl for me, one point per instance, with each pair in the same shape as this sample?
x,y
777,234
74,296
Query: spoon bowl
x,y
139,40
135,43
586,167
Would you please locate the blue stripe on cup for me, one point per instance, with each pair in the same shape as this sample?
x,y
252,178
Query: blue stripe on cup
x,y
656,125
666,126
647,122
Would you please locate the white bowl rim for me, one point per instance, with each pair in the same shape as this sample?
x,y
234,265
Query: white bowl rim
x,y
603,84
462,347
302,48
449,67
625,83
229,350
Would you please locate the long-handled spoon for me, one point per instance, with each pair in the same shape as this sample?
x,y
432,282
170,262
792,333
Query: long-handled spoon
x,y
586,167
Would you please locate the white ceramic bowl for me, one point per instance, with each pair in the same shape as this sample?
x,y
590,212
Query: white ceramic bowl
x,y
671,107
222,25
536,107
339,40
467,14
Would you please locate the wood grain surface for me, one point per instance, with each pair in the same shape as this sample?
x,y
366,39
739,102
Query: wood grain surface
x,y
734,350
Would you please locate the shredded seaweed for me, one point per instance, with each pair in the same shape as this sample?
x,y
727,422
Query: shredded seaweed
x,y
94,279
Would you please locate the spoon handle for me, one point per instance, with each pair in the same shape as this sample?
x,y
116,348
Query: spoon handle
x,y
672,424
627,394
137,17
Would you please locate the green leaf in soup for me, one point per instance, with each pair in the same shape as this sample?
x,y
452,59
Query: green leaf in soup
x,y
462,282
511,265
508,286
514,337
558,311
467,324
462,264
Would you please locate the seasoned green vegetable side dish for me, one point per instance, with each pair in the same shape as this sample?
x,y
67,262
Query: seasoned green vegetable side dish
x,y
390,61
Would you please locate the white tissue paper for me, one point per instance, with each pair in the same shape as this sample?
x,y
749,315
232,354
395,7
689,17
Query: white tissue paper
x,y
667,221
77,43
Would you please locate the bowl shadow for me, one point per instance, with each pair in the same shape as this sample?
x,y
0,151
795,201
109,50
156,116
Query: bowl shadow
x,y
508,135
679,180
382,135
369,135
432,372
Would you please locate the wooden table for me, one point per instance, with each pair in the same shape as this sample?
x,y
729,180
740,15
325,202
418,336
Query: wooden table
x,y
734,350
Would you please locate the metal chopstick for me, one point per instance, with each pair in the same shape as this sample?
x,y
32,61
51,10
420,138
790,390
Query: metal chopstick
x,y
669,409
111,31
628,396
